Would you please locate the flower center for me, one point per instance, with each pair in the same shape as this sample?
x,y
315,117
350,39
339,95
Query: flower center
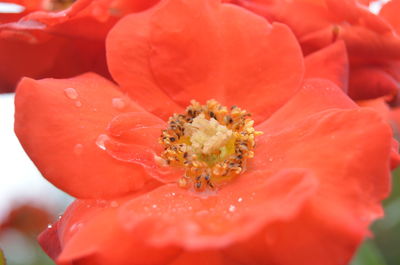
x,y
210,142
57,5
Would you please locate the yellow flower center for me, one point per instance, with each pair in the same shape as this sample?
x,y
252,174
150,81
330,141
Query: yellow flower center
x,y
210,142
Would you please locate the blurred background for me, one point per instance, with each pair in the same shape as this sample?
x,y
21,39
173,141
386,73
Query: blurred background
x,y
28,203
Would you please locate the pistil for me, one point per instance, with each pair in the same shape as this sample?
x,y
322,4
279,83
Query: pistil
x,y
211,142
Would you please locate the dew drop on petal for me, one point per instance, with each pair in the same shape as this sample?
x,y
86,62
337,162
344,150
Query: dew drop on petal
x,y
271,159
78,104
49,226
240,199
154,206
118,103
71,93
232,208
100,141
78,149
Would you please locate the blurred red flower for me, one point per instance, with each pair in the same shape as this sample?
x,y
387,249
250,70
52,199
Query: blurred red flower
x,y
319,173
28,219
371,43
49,42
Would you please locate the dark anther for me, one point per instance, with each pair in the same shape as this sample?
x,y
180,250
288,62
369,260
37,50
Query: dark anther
x,y
172,139
212,114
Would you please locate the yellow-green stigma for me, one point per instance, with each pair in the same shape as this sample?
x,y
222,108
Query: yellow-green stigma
x,y
210,142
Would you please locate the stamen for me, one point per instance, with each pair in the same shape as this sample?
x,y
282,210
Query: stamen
x,y
211,142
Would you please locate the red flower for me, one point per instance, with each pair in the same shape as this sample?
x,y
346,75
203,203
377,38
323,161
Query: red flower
x,y
312,189
59,44
372,46
27,219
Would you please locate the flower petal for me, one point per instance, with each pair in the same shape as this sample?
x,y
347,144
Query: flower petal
x,y
349,151
315,96
390,12
221,52
330,63
58,123
156,227
370,82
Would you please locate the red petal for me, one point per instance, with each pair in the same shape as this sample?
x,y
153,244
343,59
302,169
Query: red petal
x,y
364,43
387,114
349,152
209,257
222,52
92,230
147,228
58,123
390,12
316,95
372,82
50,241
330,63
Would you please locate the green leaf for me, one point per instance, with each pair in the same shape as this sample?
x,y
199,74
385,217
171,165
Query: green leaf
x,y
368,254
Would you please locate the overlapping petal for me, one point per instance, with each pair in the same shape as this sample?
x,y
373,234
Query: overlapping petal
x,y
170,220
223,52
371,41
59,44
330,63
351,187
59,123
316,174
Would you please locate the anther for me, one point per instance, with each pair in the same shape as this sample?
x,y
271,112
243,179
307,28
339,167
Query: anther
x,y
211,143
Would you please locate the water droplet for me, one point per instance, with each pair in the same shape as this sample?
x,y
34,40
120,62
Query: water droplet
x,y
118,103
78,149
78,104
240,199
114,204
154,206
173,193
100,141
232,208
190,208
271,159
71,93
49,226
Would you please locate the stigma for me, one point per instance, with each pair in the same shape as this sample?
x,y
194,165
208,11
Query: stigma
x,y
211,142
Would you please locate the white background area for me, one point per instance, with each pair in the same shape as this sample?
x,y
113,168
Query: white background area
x,y
20,181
